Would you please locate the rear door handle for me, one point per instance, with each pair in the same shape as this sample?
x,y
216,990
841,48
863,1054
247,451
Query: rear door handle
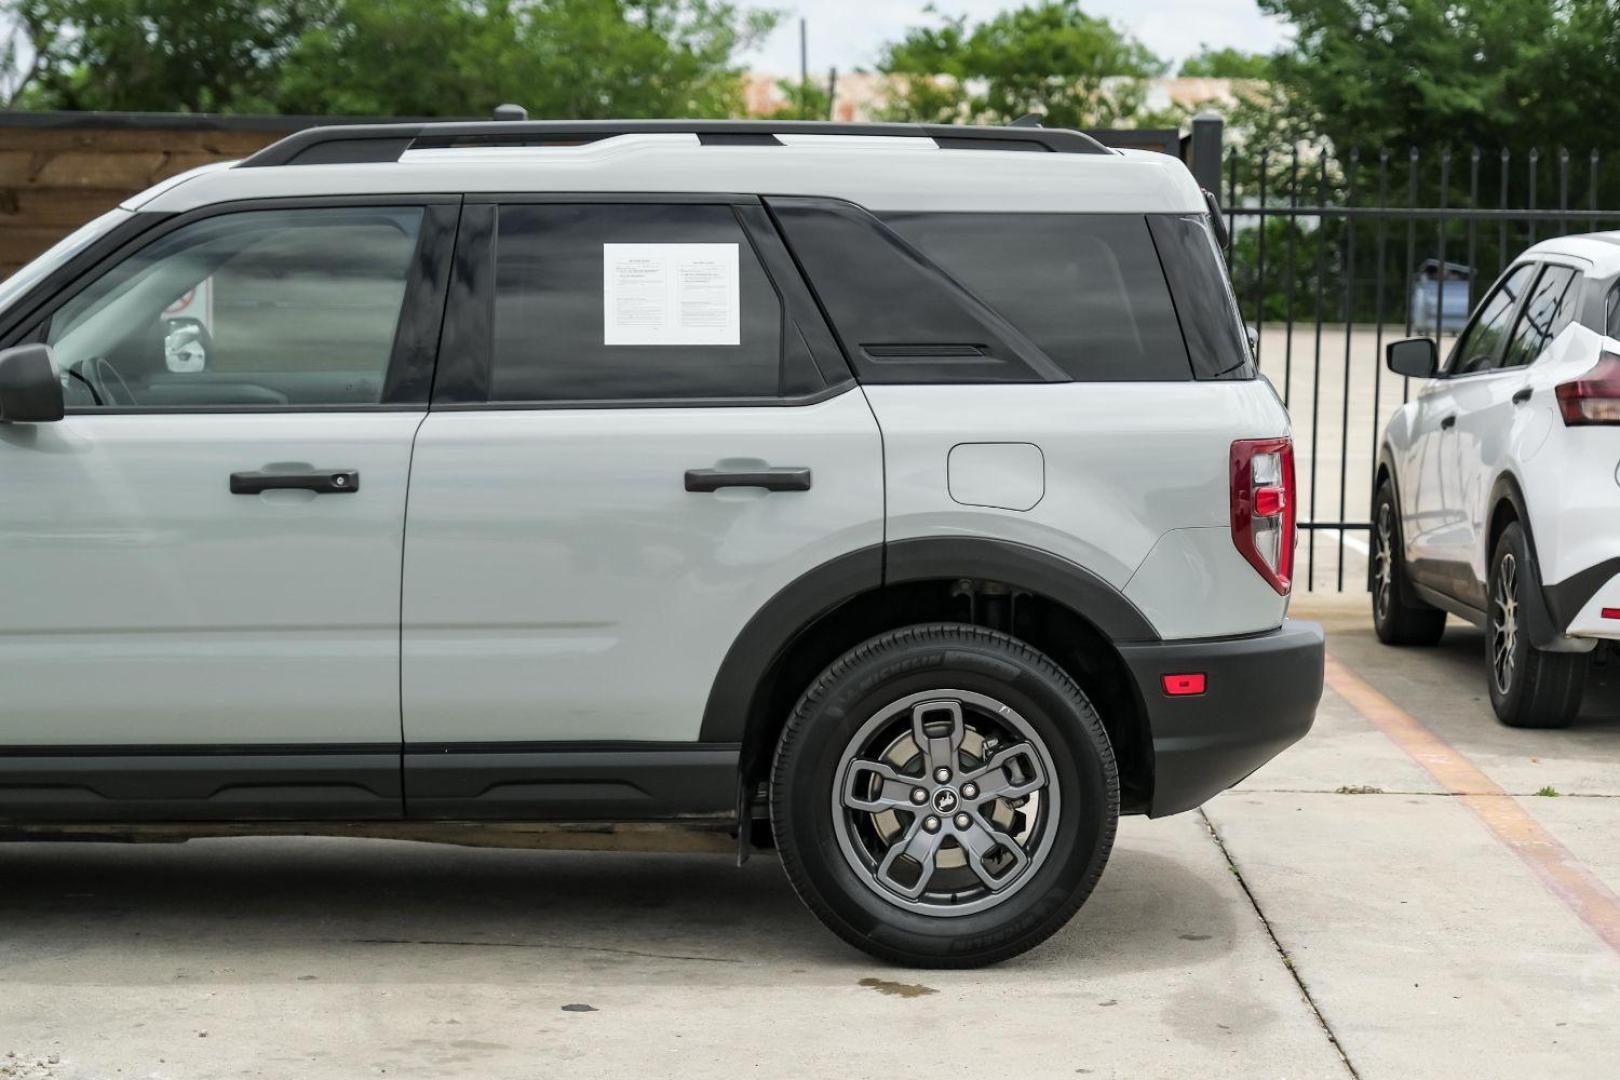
x,y
784,479
323,481
1448,422
1522,396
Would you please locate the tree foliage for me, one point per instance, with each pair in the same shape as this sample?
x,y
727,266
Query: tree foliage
x,y
1497,73
564,58
158,54
1226,63
1049,58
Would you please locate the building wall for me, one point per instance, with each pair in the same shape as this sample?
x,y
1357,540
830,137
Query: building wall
x,y
58,171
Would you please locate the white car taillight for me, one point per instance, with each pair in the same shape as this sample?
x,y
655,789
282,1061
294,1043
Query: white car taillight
x,y
1594,398
1263,515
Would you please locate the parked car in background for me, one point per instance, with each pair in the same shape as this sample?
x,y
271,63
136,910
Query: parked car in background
x,y
1497,495
1440,300
902,496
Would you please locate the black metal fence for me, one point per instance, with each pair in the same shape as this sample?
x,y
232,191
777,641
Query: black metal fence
x,y
1333,255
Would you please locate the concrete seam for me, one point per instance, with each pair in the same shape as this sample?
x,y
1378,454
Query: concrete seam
x,y
1288,963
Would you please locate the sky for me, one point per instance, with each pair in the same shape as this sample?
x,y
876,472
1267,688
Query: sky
x,y
847,33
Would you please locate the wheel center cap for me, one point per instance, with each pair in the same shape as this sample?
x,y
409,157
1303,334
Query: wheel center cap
x,y
945,800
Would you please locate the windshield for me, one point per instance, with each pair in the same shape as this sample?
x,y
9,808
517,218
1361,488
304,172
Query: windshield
x,y
64,249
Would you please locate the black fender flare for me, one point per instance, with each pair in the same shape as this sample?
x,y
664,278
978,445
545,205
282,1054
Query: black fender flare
x,y
1545,633
768,635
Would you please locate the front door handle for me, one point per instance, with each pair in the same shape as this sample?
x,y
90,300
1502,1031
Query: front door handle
x,y
784,479
322,481
1522,396
1449,422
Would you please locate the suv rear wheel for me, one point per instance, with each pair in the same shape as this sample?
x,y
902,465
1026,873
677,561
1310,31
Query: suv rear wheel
x,y
1530,688
944,796
1397,621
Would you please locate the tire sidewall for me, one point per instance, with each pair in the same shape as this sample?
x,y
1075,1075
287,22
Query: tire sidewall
x,y
808,769
1382,623
1511,542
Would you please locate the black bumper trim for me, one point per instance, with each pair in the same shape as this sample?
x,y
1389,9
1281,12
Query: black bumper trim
x,y
1260,698
1566,598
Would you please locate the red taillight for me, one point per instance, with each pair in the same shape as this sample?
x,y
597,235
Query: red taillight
x,y
1263,507
1611,613
1186,685
1594,398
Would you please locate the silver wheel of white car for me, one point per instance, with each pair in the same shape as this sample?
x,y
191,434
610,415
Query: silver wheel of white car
x,y
946,802
1504,622
1530,687
944,795
1398,618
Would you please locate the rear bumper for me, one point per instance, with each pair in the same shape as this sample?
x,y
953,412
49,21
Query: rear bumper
x,y
1261,693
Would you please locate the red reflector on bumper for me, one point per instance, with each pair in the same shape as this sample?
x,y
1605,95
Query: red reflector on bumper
x,y
1184,685
1611,613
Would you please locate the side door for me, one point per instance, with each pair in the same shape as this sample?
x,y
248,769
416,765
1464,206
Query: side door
x,y
205,552
642,432
1493,406
1435,515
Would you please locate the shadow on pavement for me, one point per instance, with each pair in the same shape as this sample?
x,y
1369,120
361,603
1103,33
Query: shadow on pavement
x,y
261,898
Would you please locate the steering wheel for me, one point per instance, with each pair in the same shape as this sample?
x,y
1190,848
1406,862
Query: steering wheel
x,y
101,367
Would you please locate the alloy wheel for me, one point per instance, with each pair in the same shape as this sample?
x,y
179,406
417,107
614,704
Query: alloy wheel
x,y
1384,562
1505,623
946,802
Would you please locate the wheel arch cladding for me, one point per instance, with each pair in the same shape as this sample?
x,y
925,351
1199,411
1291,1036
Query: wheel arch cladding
x,y
1060,608
1507,506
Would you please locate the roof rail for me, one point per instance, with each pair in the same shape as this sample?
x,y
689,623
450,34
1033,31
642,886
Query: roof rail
x,y
355,144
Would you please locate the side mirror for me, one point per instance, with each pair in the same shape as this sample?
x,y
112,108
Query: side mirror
x,y
1416,358
30,389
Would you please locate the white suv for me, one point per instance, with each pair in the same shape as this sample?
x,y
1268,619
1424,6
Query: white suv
x,y
1496,489
904,497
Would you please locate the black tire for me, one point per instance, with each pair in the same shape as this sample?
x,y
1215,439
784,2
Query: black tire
x,y
1530,688
1398,617
814,764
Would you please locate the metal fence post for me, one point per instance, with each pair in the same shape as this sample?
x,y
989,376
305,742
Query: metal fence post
x,y
1207,128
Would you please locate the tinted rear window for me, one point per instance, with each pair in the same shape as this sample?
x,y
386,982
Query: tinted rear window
x,y
1088,289
1216,340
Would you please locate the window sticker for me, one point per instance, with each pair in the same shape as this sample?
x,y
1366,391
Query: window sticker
x,y
670,294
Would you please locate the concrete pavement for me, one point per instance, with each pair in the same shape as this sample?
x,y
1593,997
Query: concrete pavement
x,y
1287,930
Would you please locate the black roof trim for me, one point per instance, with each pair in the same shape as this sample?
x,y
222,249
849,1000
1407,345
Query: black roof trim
x,y
385,142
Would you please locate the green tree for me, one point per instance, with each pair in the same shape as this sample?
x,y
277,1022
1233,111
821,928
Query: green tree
x,y
560,58
1226,63
1050,58
1497,73
807,100
158,54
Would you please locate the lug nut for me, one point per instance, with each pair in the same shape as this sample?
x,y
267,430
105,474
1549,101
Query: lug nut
x,y
970,791
942,774
931,823
963,821
919,796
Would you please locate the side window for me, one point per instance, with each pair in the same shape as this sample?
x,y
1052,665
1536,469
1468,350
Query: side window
x,y
634,301
1550,308
269,308
1481,343
1611,314
900,317
1086,288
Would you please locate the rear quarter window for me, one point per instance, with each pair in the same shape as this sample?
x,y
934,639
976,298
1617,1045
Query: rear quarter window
x,y
1088,289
